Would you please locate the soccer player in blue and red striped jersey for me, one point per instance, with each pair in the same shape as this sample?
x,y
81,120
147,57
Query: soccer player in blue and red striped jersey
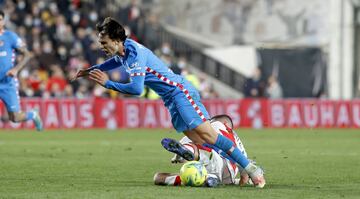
x,y
10,43
180,97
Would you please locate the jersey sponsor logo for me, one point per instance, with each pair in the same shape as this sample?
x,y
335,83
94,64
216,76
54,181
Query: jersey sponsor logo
x,y
133,65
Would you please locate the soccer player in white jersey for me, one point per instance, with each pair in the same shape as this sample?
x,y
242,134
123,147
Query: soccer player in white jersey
x,y
220,169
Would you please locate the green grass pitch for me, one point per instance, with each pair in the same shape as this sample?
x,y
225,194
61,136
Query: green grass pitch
x,y
317,163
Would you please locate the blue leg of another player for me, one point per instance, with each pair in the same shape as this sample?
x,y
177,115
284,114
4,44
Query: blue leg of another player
x,y
219,151
35,116
31,115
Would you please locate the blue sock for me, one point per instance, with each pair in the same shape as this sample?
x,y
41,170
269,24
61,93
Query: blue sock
x,y
219,151
29,115
225,145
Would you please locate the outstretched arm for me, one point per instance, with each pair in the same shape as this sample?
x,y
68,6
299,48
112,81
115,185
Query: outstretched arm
x,y
109,64
172,179
135,87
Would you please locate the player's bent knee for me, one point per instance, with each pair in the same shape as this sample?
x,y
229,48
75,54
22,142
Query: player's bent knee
x,y
207,133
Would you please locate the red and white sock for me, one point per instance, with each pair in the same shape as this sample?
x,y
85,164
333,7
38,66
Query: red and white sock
x,y
173,180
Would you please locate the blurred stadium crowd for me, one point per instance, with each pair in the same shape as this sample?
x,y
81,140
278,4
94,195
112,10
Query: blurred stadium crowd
x,y
62,37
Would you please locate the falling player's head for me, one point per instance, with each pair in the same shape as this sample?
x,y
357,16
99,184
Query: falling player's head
x,y
111,36
223,119
2,19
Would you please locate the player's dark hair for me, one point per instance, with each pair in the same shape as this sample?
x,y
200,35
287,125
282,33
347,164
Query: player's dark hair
x,y
112,28
2,13
223,116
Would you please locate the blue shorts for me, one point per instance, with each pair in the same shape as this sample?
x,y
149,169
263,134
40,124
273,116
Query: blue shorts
x,y
9,94
184,115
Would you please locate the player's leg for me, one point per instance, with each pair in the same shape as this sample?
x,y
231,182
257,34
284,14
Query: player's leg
x,y
209,135
172,179
19,116
190,116
11,99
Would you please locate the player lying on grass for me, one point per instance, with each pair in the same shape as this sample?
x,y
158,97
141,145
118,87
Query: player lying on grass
x,y
10,43
220,169
188,114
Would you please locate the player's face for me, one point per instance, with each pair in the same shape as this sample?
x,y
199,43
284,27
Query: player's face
x,y
2,22
109,46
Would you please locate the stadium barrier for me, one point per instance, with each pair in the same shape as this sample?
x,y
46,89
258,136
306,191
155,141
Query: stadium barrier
x,y
140,113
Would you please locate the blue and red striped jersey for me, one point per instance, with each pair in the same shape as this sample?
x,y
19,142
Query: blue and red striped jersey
x,y
145,68
9,42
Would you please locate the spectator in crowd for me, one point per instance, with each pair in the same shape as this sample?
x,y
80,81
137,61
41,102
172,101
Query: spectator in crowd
x,y
254,86
274,90
57,82
179,66
165,50
132,15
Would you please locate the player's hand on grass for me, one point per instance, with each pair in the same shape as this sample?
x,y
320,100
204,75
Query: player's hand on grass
x,y
98,76
12,72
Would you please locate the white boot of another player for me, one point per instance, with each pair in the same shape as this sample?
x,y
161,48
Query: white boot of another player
x,y
256,174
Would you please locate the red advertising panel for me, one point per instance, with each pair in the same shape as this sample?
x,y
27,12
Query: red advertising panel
x,y
154,114
68,113
311,113
215,106
51,113
140,113
85,113
164,116
132,114
293,113
327,113
276,113
355,113
343,114
252,113
148,117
